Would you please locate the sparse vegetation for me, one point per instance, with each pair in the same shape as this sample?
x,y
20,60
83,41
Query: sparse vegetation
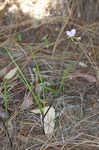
x,y
49,59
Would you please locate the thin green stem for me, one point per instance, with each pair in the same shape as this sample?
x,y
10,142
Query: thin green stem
x,y
39,74
25,81
63,78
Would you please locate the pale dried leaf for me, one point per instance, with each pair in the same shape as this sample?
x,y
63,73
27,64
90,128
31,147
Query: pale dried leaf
x,y
88,77
49,120
11,73
35,111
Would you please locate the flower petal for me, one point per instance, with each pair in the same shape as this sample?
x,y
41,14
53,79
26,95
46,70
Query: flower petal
x,y
68,33
73,32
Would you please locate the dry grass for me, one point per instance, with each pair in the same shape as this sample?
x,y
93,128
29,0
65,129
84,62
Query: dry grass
x,y
77,105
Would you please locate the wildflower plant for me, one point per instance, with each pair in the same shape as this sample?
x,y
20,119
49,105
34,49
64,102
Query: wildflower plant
x,y
71,35
46,113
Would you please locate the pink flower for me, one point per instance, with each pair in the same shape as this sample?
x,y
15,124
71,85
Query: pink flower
x,y
71,33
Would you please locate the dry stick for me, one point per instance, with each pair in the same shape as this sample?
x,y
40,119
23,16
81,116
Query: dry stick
x,y
48,20
62,29
59,35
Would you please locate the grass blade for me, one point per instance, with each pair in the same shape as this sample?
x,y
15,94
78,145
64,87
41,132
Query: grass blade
x,y
63,78
39,74
25,81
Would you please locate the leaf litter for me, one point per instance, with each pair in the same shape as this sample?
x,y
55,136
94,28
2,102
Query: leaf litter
x,y
72,130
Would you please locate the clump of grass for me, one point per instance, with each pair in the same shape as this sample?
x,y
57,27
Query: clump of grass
x,y
36,69
55,92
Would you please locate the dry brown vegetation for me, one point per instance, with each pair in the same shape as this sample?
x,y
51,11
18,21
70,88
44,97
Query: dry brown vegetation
x,y
77,105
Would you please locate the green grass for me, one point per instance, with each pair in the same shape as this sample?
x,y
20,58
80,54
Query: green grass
x,y
19,37
39,75
63,78
36,70
5,123
25,81
46,41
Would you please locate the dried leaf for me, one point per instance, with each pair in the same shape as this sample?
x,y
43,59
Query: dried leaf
x,y
49,120
35,111
89,78
11,73
27,102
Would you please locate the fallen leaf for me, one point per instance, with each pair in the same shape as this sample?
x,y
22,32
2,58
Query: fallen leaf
x,y
11,73
89,78
28,101
49,120
35,111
